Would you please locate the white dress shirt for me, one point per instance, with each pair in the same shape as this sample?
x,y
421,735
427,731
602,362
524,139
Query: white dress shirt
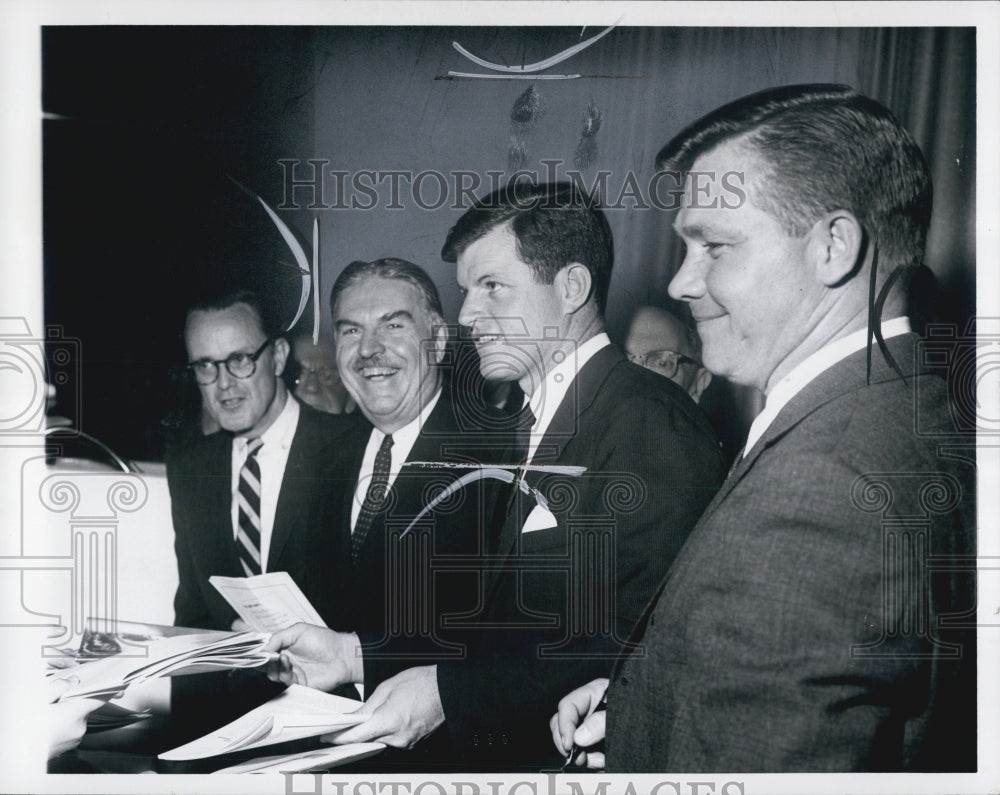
x,y
272,457
402,442
547,396
811,367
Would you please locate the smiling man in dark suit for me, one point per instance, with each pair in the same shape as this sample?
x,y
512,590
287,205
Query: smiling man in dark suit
x,y
819,616
404,563
582,547
270,444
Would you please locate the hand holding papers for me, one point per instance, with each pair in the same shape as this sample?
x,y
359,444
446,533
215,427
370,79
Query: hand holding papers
x,y
268,602
400,712
297,713
315,656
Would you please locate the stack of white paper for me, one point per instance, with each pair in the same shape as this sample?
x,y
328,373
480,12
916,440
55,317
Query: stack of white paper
x,y
307,760
294,714
182,654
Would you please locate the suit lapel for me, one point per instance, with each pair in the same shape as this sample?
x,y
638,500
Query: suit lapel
x,y
289,511
847,375
559,435
215,480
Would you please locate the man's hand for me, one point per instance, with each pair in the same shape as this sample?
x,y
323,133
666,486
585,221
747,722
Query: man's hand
x,y
67,719
577,723
316,657
402,711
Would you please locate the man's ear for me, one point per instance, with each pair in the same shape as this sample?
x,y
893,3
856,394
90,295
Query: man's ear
x,y
573,283
440,331
836,247
701,382
281,349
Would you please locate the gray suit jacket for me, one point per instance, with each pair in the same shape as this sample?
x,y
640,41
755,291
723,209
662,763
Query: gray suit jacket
x,y
818,617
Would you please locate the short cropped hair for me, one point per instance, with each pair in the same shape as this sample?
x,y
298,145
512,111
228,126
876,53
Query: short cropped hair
x,y
825,147
266,318
388,268
554,224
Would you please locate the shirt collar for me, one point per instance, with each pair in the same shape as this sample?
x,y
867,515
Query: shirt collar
x,y
405,437
812,366
281,430
547,396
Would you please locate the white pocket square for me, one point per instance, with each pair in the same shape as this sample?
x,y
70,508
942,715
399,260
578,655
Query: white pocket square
x,y
540,518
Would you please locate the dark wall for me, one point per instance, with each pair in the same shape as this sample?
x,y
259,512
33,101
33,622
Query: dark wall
x,y
145,125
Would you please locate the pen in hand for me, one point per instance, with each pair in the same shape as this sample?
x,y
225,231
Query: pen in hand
x,y
576,749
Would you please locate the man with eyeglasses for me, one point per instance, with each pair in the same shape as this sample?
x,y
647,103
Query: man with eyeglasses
x,y
242,498
317,381
660,342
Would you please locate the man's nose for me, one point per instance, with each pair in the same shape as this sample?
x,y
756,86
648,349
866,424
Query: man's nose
x,y
371,344
468,312
224,379
689,282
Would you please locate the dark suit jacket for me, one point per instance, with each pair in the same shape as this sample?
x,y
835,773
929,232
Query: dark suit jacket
x,y
199,478
798,630
403,592
562,600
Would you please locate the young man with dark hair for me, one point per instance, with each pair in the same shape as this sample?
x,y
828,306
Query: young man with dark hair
x,y
618,463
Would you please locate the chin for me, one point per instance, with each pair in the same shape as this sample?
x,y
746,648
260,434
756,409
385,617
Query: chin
x,y
500,366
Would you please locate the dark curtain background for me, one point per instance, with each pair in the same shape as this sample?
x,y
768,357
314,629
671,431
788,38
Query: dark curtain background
x,y
145,124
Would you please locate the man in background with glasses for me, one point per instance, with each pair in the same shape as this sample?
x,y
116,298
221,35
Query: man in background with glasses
x,y
316,380
660,342
241,498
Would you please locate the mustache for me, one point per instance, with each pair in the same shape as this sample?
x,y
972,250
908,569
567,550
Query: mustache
x,y
372,361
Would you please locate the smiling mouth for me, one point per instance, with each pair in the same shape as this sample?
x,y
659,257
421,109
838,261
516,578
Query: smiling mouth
x,y
377,373
706,318
231,403
487,339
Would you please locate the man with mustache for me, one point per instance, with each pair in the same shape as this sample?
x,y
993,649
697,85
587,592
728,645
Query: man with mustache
x,y
578,555
398,601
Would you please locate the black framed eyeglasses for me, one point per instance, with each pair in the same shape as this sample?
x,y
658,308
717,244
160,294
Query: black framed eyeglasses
x,y
665,362
239,365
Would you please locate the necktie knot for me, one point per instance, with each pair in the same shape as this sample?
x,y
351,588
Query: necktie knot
x,y
253,446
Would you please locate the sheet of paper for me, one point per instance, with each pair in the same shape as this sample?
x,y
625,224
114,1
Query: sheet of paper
x,y
268,602
307,760
294,714
169,657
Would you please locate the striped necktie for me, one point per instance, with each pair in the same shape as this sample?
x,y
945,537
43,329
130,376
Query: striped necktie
x,y
378,487
248,498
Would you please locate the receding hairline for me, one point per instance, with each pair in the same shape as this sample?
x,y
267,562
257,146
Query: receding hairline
x,y
208,310
361,279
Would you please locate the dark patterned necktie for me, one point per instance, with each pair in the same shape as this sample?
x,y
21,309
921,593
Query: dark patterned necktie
x,y
378,486
523,423
248,498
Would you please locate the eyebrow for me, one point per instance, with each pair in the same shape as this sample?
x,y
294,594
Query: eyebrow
x,y
399,313
699,231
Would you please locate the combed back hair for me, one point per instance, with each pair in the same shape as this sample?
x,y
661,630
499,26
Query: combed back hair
x,y
825,147
553,224
388,268
266,318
